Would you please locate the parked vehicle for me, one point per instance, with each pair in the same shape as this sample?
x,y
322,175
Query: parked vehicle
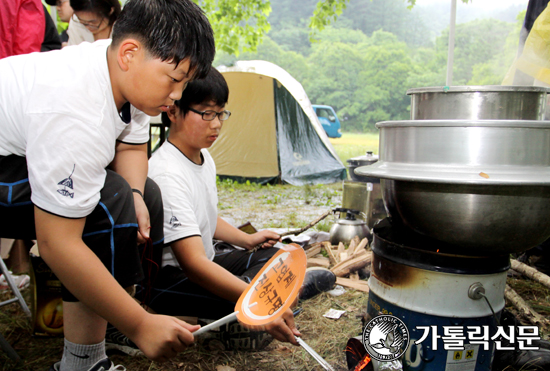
x,y
329,120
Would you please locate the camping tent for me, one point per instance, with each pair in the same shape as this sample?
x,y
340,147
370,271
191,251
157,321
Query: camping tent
x,y
273,131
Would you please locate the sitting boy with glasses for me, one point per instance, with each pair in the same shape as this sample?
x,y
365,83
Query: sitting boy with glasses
x,y
74,127
196,279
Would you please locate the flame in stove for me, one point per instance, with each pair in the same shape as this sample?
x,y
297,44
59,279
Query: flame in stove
x,y
437,250
363,363
357,356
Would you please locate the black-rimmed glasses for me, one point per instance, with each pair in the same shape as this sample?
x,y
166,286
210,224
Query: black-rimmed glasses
x,y
211,115
90,25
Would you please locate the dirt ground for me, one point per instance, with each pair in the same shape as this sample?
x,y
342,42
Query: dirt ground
x,y
327,337
265,206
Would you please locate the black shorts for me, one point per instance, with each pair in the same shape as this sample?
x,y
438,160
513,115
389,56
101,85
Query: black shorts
x,y
110,230
174,294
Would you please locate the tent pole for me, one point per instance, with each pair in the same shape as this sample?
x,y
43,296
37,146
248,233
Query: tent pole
x,y
450,54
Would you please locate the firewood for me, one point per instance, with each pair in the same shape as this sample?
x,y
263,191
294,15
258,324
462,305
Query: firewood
x,y
312,246
358,253
354,276
335,253
525,309
346,267
328,248
341,248
353,243
343,256
313,250
356,285
530,272
361,246
318,262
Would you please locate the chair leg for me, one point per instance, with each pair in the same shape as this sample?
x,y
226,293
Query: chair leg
x,y
14,288
6,347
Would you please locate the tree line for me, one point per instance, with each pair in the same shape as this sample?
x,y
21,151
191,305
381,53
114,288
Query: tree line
x,y
364,63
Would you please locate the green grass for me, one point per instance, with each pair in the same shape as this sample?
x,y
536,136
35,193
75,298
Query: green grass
x,y
353,145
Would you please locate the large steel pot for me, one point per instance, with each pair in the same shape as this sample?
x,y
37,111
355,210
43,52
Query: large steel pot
x,y
481,185
479,219
463,152
478,102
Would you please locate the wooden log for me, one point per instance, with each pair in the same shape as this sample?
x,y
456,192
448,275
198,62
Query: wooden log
x,y
318,262
358,253
356,285
335,253
354,276
524,308
314,250
313,245
328,249
361,246
341,248
353,243
530,272
343,256
346,267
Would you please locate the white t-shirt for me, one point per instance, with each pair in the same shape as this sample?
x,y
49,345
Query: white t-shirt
x,y
57,109
78,33
189,195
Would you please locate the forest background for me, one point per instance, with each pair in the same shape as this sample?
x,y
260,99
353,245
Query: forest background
x,y
366,60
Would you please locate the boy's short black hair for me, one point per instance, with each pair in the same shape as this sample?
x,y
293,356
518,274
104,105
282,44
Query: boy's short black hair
x,y
213,88
172,30
99,7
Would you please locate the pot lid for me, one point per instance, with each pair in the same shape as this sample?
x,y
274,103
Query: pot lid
x,y
367,159
453,174
483,88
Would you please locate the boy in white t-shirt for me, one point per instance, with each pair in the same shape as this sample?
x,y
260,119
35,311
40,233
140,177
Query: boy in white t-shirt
x,y
196,279
73,168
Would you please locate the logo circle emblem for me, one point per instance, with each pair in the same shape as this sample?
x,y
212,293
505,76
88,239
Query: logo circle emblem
x,y
386,338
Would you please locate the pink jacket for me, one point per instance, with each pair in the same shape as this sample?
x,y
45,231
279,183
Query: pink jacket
x,y
22,27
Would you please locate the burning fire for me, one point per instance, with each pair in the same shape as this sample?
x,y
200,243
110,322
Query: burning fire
x,y
363,363
357,356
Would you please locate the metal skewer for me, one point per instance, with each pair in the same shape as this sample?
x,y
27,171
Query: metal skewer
x,y
314,354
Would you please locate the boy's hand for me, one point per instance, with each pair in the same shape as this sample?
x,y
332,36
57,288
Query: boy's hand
x,y
144,223
266,238
163,337
284,329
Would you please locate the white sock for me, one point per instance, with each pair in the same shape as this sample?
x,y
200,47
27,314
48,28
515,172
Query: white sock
x,y
78,357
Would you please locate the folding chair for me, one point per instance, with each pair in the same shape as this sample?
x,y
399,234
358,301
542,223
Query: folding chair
x,y
6,347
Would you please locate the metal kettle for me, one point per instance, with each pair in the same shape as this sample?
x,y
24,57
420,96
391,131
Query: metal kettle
x,y
344,230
